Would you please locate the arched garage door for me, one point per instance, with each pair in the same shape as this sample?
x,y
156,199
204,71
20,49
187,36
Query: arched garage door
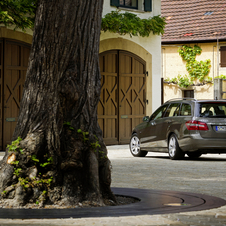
x,y
13,67
123,95
122,102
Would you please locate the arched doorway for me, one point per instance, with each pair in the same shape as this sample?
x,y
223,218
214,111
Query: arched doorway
x,y
123,95
13,67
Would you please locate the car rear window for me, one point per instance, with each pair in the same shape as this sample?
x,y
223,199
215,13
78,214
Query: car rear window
x,y
212,109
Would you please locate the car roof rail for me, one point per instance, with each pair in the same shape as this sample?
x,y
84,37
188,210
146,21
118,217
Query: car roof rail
x,y
182,98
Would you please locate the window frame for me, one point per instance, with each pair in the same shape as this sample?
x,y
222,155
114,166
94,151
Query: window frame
x,y
142,5
191,93
129,7
222,56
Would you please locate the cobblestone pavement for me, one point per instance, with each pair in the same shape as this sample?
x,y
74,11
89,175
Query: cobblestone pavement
x,y
156,171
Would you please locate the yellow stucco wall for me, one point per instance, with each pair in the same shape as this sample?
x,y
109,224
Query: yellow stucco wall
x,y
173,65
130,46
16,35
224,89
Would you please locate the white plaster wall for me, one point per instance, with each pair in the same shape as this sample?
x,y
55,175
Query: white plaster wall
x,y
156,9
152,44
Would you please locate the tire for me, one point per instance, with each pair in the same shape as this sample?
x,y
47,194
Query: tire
x,y
194,155
175,153
134,147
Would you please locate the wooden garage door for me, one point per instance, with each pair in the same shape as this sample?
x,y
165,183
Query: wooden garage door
x,y
108,105
123,97
15,66
132,96
1,92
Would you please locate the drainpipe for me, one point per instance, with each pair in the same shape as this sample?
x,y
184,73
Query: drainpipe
x,y
162,77
217,57
213,62
218,82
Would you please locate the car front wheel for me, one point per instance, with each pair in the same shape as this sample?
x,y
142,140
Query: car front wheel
x,y
175,153
135,147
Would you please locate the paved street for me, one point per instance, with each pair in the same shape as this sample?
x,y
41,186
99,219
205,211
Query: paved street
x,y
156,171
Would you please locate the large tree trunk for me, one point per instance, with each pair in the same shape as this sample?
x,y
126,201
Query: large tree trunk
x,y
62,157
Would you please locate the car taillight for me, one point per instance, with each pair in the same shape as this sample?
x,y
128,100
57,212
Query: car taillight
x,y
196,125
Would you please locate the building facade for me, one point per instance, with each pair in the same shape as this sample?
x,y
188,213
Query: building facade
x,y
130,69
131,84
191,23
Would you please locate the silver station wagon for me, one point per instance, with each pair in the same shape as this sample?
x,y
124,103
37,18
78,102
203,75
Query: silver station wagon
x,y
182,126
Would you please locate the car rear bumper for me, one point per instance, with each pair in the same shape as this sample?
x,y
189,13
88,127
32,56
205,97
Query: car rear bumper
x,y
196,142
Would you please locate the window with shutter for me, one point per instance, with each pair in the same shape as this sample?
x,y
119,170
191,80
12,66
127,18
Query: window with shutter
x,y
148,5
223,56
114,3
129,4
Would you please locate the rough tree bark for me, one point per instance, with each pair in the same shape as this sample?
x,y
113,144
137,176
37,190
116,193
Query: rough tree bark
x,y
62,157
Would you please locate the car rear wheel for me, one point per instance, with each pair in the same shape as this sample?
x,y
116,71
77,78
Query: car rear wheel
x,y
194,155
135,147
175,153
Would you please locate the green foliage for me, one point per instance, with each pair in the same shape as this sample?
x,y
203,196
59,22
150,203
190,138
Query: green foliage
x,y
69,124
84,134
42,181
198,70
14,162
49,161
129,23
24,182
34,158
95,145
184,81
17,171
15,145
221,77
20,13
189,53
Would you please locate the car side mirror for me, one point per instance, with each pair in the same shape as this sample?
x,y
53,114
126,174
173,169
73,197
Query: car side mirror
x,y
146,118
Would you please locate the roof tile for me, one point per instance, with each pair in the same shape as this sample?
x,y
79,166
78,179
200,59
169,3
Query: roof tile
x,y
194,20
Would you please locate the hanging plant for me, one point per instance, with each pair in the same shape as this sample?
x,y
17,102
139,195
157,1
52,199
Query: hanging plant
x,y
198,70
129,23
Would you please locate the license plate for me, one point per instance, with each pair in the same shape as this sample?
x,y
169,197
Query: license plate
x,y
220,128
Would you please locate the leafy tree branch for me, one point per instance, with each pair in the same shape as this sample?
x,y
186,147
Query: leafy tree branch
x,y
198,70
129,23
20,13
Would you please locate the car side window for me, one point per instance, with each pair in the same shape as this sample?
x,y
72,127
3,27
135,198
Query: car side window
x,y
185,110
159,113
173,110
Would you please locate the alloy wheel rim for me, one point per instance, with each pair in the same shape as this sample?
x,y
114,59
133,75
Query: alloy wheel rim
x,y
172,146
135,145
